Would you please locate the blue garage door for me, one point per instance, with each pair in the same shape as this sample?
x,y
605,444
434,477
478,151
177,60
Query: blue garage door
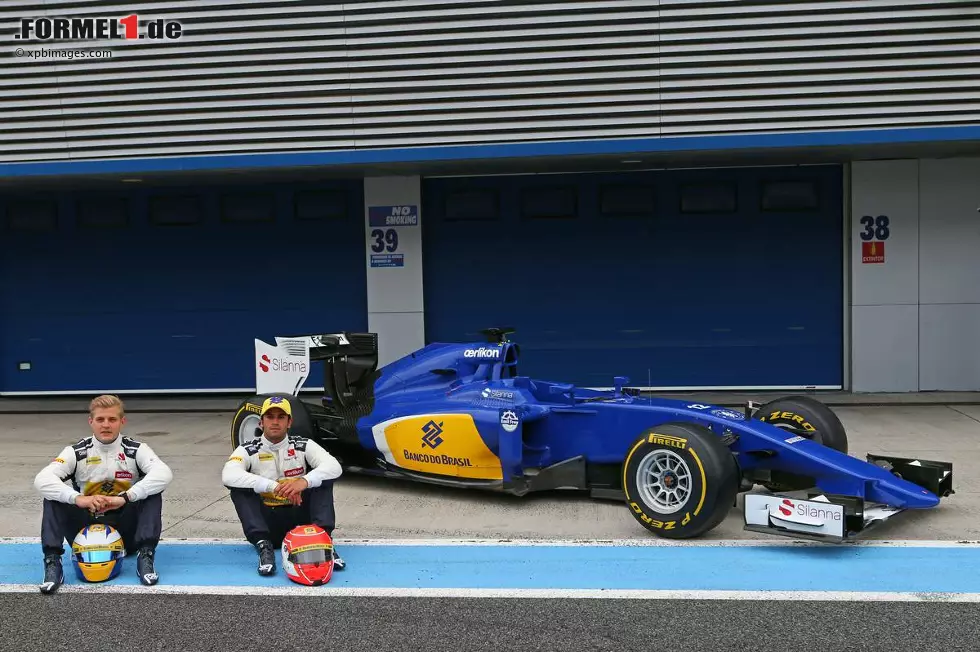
x,y
696,278
165,288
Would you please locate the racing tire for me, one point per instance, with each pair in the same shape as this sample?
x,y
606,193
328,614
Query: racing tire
x,y
696,480
245,425
808,415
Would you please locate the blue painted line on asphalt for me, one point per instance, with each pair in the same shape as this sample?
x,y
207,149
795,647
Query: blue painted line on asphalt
x,y
752,568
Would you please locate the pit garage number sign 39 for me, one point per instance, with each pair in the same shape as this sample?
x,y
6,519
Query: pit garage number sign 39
x,y
385,222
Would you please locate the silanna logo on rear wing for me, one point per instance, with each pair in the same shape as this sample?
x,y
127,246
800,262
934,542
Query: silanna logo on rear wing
x,y
283,368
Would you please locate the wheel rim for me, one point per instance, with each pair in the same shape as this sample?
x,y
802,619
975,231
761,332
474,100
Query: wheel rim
x,y
246,431
664,481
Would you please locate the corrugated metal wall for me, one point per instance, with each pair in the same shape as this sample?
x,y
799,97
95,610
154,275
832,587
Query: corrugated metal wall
x,y
264,75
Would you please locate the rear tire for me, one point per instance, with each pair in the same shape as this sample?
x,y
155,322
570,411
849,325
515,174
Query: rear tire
x,y
680,480
817,421
245,425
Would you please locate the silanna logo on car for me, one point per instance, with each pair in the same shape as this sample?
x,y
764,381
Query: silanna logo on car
x,y
281,364
790,508
482,353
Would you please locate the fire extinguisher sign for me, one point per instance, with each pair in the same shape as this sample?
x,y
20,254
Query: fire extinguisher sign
x,y
874,232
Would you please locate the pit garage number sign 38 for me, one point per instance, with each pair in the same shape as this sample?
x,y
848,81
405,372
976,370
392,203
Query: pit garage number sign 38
x,y
384,223
874,232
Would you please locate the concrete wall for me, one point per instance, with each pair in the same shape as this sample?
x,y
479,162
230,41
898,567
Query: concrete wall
x,y
916,297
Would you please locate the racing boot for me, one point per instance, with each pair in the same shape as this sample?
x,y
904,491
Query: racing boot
x,y
338,561
144,567
267,557
54,574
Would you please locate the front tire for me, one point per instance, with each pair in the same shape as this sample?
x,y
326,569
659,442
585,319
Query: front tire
x,y
811,417
680,480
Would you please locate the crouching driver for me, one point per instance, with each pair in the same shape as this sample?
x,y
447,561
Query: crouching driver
x,y
115,480
279,481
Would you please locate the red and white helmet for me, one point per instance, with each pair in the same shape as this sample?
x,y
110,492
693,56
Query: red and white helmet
x,y
307,555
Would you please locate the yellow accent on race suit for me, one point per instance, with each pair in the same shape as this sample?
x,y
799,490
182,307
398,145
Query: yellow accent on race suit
x,y
106,488
272,500
442,444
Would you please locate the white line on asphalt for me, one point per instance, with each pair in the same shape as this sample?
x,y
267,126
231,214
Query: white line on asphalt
x,y
608,594
911,543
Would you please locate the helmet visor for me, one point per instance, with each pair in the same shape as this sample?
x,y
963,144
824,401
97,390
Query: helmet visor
x,y
311,556
96,556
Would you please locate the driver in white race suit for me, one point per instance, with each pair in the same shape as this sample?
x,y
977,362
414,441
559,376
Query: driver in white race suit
x,y
279,481
115,480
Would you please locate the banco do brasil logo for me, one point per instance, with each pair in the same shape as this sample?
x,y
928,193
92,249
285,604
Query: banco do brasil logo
x,y
131,27
431,434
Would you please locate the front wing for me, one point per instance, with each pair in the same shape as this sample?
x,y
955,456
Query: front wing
x,y
834,518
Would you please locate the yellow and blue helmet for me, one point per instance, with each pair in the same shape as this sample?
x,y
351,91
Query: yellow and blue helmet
x,y
97,553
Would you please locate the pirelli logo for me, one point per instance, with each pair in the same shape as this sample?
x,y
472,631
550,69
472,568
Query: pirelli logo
x,y
667,440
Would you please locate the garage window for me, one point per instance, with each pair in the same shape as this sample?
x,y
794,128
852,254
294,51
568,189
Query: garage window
x,y
175,210
551,202
627,201
789,196
471,205
102,213
716,197
32,215
319,205
252,207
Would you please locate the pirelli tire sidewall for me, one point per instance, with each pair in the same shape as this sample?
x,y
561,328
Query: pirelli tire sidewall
x,y
808,415
714,480
302,421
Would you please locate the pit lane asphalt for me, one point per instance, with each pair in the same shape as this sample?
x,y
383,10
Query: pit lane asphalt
x,y
206,623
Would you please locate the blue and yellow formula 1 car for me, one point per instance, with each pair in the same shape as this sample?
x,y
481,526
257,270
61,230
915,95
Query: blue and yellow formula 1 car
x,y
460,414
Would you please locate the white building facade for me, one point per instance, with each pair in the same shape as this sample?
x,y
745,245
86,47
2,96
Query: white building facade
x,y
694,195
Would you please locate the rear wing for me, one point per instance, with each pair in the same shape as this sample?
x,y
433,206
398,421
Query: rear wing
x,y
351,360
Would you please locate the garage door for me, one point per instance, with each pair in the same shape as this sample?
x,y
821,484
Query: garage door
x,y
165,288
696,278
